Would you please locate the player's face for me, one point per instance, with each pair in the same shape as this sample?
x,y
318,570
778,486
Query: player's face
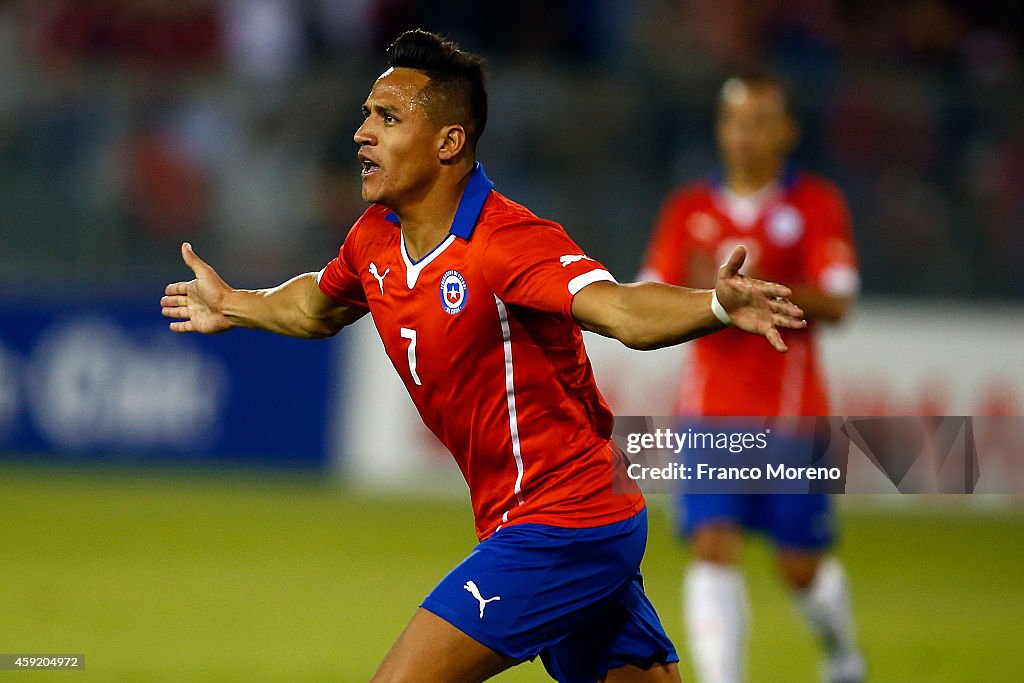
x,y
398,145
755,132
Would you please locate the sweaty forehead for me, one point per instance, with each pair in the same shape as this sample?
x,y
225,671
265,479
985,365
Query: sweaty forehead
x,y
399,85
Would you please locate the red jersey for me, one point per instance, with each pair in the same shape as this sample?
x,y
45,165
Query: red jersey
x,y
797,232
481,332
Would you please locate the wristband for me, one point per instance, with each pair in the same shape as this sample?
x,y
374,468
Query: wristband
x,y
719,310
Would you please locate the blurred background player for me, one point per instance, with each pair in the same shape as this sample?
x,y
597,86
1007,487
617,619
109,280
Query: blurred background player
x,y
797,230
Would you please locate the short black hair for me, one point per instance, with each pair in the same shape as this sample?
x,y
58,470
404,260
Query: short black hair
x,y
457,90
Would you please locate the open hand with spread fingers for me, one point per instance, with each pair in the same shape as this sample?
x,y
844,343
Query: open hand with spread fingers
x,y
196,305
756,306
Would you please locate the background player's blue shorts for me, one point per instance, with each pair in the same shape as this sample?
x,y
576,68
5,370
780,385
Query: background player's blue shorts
x,y
801,521
573,596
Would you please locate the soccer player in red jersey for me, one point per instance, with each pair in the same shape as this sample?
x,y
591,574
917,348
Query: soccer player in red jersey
x,y
797,230
480,305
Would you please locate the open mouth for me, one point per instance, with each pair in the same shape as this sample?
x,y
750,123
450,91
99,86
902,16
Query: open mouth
x,y
369,168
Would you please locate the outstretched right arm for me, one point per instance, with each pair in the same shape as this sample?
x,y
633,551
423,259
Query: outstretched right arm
x,y
209,305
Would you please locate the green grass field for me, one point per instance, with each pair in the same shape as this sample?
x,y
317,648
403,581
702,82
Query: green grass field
x,y
232,577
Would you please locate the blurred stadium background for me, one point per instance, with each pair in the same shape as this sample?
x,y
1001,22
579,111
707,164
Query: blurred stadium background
x,y
250,508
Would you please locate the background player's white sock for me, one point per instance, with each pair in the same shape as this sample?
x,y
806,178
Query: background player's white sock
x,y
826,604
716,611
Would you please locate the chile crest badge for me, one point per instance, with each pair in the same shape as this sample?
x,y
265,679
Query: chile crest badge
x,y
453,292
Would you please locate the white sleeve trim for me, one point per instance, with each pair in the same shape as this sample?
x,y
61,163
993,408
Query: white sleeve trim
x,y
589,278
320,275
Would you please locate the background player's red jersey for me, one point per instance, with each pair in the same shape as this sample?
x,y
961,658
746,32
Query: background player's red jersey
x,y
481,332
797,231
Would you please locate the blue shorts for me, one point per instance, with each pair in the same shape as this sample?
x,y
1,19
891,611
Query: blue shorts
x,y
572,596
800,521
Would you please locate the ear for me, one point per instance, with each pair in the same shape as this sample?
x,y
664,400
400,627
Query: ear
x,y
453,142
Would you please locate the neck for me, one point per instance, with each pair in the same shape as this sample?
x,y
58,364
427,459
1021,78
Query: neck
x,y
748,180
426,222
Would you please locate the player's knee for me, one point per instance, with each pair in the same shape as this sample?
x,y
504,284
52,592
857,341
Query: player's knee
x,y
717,543
799,569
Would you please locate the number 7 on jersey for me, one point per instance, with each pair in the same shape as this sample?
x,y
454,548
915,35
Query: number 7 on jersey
x,y
411,336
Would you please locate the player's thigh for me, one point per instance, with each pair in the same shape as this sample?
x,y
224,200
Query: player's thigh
x,y
658,673
718,541
713,524
431,649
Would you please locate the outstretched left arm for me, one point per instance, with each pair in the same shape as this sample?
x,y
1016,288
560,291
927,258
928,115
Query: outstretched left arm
x,y
647,315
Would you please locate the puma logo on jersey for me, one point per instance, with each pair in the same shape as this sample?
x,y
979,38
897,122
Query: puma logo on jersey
x,y
573,258
475,592
378,276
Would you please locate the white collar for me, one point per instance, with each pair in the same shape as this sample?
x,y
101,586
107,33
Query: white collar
x,y
744,210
